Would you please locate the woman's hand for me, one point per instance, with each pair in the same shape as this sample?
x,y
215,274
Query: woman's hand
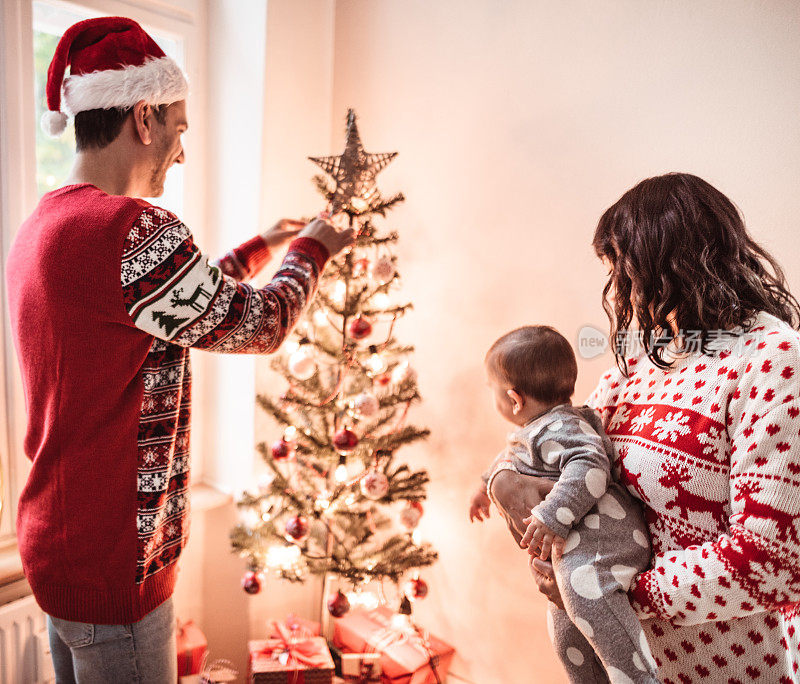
x,y
283,231
545,579
516,495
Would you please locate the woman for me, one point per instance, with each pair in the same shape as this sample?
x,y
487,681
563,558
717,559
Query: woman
x,y
705,420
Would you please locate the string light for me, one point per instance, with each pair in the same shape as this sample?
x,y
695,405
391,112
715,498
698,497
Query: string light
x,y
416,537
339,292
291,346
341,470
381,300
320,317
375,363
283,557
290,433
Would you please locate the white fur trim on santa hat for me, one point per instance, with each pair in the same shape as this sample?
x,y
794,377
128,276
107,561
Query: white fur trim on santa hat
x,y
157,81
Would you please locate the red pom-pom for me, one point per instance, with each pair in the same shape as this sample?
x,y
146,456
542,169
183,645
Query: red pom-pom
x,y
281,449
338,604
344,441
297,527
250,583
360,328
416,588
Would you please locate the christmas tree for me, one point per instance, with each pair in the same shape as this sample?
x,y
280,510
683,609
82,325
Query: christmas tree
x,y
335,484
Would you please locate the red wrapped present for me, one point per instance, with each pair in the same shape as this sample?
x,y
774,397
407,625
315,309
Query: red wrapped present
x,y
408,654
289,660
192,647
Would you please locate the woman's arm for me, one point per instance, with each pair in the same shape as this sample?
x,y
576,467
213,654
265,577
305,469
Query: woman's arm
x,y
516,495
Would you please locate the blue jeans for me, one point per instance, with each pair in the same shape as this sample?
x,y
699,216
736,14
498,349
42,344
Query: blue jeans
x,y
142,652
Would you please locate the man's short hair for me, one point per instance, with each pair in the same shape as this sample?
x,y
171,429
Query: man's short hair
x,y
100,127
537,361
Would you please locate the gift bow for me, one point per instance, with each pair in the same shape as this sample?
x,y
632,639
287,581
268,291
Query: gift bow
x,y
389,636
304,652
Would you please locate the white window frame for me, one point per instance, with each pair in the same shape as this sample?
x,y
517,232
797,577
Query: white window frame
x,y
182,19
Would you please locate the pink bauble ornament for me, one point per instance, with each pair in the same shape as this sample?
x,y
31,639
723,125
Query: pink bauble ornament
x,y
375,484
250,583
359,328
281,450
416,588
297,527
302,364
338,604
411,514
381,270
366,405
344,441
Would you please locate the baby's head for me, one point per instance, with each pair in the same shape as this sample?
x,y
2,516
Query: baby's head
x,y
531,370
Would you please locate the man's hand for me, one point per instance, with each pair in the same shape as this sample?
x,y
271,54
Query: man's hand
x,y
540,539
283,231
479,506
322,231
516,495
545,579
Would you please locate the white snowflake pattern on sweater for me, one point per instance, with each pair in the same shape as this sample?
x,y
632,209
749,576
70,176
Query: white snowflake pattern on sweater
x,y
712,448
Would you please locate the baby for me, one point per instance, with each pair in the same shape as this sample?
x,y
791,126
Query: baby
x,y
593,527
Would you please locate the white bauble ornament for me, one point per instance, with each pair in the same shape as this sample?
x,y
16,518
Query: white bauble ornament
x,y
403,373
366,405
374,485
302,364
381,270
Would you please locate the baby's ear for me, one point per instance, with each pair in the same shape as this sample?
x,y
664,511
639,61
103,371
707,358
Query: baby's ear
x,y
517,400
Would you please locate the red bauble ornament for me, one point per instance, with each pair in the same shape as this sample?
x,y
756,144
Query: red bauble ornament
x,y
344,441
338,604
416,588
359,328
250,583
281,449
360,267
411,514
382,380
297,527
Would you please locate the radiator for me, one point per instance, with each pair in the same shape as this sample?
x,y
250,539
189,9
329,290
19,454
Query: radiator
x,y
24,648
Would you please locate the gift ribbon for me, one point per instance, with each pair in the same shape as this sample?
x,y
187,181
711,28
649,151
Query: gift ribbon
x,y
304,652
390,636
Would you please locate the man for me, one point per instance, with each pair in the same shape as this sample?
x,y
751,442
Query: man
x,y
106,295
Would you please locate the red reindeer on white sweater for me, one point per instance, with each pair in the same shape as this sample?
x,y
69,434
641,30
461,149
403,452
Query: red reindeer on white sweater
x,y
686,501
753,508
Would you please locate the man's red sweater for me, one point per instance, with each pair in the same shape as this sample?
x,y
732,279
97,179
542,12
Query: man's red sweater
x,y
106,295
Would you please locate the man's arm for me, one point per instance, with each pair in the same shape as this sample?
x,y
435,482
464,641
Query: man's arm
x,y
172,292
245,261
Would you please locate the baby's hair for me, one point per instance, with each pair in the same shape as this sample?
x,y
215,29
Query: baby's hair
x,y
537,361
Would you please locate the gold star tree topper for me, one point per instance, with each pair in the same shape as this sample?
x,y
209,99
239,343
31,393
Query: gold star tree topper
x,y
354,172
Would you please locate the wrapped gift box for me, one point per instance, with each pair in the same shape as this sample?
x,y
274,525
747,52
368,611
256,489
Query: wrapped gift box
x,y
407,657
192,647
284,660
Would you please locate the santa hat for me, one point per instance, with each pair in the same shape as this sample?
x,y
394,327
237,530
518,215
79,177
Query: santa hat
x,y
113,64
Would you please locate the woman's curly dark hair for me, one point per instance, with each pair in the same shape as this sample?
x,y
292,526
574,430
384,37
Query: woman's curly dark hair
x,y
676,243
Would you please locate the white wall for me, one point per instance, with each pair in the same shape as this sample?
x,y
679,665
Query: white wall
x,y
518,123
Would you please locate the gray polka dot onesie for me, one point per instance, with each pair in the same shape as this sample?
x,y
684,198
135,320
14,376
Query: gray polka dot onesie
x,y
598,637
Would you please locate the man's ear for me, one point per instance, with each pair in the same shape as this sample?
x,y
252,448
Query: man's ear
x,y
143,121
517,400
